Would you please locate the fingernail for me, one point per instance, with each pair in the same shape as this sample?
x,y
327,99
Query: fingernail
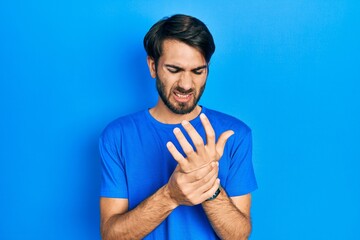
x,y
202,115
176,130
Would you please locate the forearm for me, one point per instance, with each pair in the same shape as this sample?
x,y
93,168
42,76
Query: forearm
x,y
226,219
140,221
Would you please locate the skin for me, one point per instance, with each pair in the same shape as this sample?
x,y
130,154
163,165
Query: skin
x,y
180,67
182,71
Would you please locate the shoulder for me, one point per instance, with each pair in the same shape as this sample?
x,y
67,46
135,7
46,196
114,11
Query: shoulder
x,y
123,124
222,122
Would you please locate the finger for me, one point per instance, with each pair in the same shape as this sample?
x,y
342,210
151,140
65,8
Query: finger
x,y
208,181
210,133
208,185
203,185
204,174
176,154
185,145
220,145
195,136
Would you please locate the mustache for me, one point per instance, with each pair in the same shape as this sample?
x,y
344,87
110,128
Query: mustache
x,y
183,91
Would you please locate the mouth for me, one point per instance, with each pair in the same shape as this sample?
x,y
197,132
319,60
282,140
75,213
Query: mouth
x,y
182,97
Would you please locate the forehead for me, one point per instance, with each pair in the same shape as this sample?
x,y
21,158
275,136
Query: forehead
x,y
181,54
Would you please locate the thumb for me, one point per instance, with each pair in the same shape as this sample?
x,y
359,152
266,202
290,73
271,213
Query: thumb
x,y
220,145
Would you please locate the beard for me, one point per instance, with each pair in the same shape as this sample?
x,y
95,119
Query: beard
x,y
178,107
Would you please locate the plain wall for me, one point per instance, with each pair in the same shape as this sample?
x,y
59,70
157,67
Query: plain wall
x,y
289,69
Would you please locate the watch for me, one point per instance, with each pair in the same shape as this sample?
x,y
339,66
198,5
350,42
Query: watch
x,y
215,195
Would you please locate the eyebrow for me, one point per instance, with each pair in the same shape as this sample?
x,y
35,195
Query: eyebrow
x,y
179,68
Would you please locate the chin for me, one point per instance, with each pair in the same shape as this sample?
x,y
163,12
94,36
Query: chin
x,y
182,109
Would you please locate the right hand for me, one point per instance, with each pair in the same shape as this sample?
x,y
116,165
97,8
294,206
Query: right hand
x,y
195,187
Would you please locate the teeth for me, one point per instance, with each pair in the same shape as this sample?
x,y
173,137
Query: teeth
x,y
182,95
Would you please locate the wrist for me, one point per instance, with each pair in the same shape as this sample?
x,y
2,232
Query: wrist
x,y
220,198
172,202
215,195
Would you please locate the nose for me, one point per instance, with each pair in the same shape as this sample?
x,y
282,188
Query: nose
x,y
185,81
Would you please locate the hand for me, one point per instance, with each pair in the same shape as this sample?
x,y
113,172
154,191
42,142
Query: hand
x,y
195,178
195,187
204,154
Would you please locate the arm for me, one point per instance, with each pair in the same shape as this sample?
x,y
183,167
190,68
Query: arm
x,y
119,223
182,189
229,217
192,182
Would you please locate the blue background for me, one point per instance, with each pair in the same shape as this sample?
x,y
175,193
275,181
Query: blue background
x,y
289,69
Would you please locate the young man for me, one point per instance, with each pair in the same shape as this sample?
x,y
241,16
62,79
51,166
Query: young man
x,y
177,170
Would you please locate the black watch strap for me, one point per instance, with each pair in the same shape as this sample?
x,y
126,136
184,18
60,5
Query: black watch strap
x,y
215,195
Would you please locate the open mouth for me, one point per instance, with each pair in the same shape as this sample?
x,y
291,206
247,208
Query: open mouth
x,y
182,97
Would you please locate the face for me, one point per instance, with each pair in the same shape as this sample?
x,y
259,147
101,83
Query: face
x,y
180,75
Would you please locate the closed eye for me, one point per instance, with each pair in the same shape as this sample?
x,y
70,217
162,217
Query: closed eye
x,y
173,69
198,72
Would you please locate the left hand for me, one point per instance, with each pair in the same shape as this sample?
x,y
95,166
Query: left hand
x,y
204,154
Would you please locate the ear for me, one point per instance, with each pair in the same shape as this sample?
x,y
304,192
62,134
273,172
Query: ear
x,y
151,65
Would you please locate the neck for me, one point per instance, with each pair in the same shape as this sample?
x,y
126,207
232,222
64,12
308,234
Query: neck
x,y
164,115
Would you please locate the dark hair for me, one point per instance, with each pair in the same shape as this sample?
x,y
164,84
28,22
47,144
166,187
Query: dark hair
x,y
186,29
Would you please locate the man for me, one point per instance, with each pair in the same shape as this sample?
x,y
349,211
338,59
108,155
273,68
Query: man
x,y
177,170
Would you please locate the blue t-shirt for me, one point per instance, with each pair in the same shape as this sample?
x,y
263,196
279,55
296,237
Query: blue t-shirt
x,y
136,163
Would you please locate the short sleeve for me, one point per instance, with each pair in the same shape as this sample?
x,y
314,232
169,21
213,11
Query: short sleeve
x,y
113,175
241,178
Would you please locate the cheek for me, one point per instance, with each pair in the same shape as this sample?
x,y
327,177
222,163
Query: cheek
x,y
200,83
167,84
168,81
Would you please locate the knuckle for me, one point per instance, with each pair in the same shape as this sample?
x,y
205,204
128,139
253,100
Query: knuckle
x,y
184,167
198,176
188,151
211,135
199,142
206,179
